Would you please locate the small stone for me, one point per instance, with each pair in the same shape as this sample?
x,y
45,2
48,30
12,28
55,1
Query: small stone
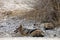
x,y
1,26
55,35
36,24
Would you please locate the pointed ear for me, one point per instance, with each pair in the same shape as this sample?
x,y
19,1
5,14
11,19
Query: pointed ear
x,y
19,29
20,26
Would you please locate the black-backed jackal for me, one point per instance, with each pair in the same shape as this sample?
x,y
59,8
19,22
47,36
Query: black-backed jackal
x,y
30,32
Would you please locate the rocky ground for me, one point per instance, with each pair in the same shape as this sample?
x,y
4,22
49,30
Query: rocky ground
x,y
8,26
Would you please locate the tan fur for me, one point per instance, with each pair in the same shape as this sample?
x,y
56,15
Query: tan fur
x,y
48,25
37,33
20,29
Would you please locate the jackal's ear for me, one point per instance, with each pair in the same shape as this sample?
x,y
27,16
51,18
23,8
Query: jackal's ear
x,y
19,29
